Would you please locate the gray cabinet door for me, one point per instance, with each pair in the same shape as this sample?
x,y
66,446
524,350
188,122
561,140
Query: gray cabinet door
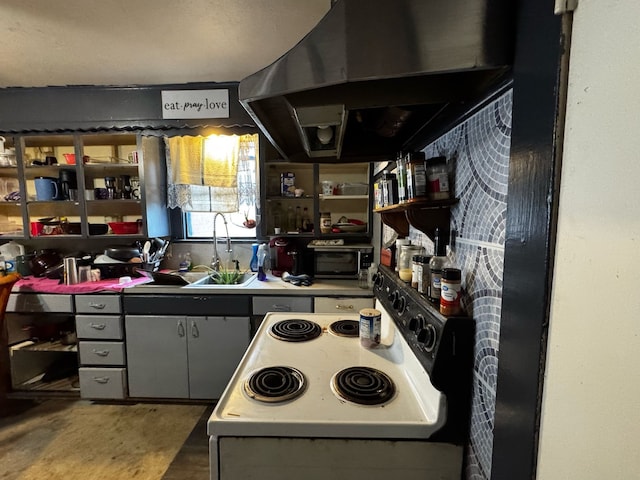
x,y
216,345
157,356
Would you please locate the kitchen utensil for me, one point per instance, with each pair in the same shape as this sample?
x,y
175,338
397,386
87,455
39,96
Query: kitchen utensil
x,y
46,189
70,271
124,228
350,227
168,279
98,228
70,158
71,228
84,273
123,253
145,251
44,260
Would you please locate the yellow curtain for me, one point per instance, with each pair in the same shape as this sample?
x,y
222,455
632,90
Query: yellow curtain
x,y
220,167
186,154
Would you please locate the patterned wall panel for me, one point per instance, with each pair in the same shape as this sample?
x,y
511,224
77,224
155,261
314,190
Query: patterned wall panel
x,y
477,152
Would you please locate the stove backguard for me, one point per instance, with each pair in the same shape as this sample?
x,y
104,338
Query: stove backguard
x,y
443,345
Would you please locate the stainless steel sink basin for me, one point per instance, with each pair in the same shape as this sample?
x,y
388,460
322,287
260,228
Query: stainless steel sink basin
x,y
210,282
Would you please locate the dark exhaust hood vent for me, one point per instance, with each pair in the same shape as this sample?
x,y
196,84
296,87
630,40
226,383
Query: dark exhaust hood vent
x,y
373,73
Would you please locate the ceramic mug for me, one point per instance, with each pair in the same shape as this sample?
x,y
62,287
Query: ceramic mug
x,y
46,188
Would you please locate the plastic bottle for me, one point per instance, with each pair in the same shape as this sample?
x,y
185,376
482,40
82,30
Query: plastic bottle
x,y
437,263
262,255
450,292
10,251
253,264
186,263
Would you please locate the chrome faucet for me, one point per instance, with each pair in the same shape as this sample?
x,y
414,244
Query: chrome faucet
x,y
215,261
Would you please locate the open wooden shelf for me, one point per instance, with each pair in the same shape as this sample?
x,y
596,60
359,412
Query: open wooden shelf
x,y
424,215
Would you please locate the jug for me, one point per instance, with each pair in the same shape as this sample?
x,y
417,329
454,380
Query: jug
x,y
46,189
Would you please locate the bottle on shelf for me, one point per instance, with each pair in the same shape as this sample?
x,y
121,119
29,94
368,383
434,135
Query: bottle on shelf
x,y
401,171
306,220
437,264
291,219
298,219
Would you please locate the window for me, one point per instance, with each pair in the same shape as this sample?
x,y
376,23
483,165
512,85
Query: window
x,y
199,224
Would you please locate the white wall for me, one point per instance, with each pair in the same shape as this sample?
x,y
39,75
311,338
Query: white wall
x,y
591,406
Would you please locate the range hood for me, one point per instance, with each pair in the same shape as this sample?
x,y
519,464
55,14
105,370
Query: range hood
x,y
373,73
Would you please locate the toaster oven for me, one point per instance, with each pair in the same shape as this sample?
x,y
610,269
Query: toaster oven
x,y
341,261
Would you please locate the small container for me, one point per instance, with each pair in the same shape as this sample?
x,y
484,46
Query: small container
x,y
405,261
424,279
450,291
325,222
395,260
401,171
438,177
363,278
370,328
416,176
417,264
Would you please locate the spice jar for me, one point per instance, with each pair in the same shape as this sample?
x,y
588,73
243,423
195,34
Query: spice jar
x,y
325,222
405,261
420,273
416,176
438,178
450,291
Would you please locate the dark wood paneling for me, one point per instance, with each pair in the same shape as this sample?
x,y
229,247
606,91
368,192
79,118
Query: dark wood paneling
x,y
86,108
530,231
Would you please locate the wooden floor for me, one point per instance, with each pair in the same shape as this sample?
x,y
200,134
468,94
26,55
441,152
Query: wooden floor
x,y
81,440
192,461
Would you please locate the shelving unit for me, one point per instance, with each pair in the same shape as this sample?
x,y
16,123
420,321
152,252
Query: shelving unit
x,y
424,215
309,177
128,158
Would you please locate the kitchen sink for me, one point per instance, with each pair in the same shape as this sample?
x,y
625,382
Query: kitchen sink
x,y
211,282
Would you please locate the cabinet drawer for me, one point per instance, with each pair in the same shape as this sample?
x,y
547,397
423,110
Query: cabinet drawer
x,y
101,353
98,304
40,302
262,305
102,382
341,305
99,326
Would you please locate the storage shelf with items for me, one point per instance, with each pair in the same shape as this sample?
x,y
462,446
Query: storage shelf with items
x,y
11,219
424,215
84,186
336,194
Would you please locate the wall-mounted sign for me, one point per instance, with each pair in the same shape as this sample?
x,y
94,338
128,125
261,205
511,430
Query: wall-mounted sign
x,y
178,104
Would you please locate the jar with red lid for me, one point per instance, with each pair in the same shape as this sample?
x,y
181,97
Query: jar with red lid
x,y
450,291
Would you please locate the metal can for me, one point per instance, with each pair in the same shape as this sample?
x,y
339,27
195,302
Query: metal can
x,y
370,320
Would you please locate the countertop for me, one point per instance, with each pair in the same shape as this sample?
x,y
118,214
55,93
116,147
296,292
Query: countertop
x,y
272,286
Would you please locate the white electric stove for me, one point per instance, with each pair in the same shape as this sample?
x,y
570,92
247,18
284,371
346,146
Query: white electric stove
x,y
308,401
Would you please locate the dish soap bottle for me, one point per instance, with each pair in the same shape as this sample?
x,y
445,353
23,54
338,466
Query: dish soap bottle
x,y
262,255
253,264
186,263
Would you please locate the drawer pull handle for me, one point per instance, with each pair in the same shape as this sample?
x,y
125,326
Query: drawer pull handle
x,y
101,353
195,333
98,326
101,379
180,329
97,306
281,308
344,307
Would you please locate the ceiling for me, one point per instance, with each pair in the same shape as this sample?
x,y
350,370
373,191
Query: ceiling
x,y
146,42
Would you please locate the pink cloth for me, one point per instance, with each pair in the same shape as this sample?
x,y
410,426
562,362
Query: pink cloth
x,y
47,285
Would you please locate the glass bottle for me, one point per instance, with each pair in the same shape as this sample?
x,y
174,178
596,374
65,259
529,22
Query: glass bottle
x,y
298,219
402,178
306,220
405,261
291,219
437,263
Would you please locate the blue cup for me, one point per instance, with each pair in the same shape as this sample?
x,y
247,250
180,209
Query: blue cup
x,y
46,188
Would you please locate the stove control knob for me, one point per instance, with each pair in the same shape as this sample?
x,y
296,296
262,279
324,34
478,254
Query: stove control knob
x,y
378,279
393,296
400,304
427,336
416,323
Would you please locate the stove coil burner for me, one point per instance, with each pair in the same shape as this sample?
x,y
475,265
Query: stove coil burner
x,y
295,330
275,384
363,385
345,328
